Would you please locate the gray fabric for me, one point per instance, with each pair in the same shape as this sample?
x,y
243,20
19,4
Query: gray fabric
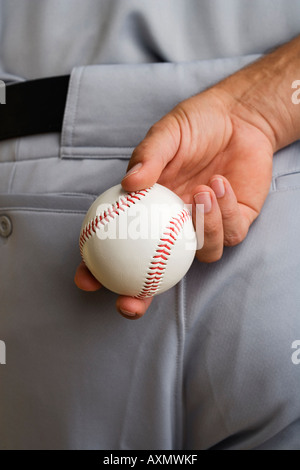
x,y
209,366
53,36
93,127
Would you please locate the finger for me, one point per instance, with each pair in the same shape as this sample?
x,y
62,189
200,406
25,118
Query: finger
x,y
207,205
132,308
152,155
235,223
85,280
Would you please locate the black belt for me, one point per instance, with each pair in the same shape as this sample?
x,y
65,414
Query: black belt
x,y
34,107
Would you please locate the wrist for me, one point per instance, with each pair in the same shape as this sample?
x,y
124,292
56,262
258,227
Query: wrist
x,y
246,101
261,94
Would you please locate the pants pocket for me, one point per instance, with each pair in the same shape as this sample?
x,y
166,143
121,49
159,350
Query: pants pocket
x,y
76,373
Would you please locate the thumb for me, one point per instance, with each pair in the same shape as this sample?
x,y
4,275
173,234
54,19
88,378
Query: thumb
x,y
152,155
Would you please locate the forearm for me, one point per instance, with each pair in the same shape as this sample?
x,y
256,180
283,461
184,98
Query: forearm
x,y
262,94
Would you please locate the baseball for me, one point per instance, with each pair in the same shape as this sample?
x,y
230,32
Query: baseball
x,y
138,243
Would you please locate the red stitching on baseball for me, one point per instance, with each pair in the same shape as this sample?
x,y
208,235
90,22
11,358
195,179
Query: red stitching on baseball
x,y
156,271
156,268
110,213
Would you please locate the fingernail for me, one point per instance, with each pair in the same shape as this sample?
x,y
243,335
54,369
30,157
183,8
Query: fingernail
x,y
133,170
128,314
218,187
205,199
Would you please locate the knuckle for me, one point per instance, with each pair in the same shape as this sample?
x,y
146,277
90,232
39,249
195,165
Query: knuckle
x,y
167,122
167,128
141,147
229,213
156,127
135,156
212,231
233,238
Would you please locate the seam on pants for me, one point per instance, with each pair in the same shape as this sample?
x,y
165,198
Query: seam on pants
x,y
180,320
291,171
51,211
76,106
273,184
12,175
284,190
14,166
64,136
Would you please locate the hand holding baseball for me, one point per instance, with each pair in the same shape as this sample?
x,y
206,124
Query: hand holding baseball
x,y
216,149
206,156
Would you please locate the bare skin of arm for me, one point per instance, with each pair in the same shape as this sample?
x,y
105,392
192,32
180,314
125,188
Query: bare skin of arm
x,y
216,149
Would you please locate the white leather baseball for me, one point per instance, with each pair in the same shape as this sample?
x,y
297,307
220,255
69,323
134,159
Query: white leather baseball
x,y
138,244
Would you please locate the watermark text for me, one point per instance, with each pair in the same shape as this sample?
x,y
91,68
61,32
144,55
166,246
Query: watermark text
x,y
151,222
2,92
2,352
296,94
296,354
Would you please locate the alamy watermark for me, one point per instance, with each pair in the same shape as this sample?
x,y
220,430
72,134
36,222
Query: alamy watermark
x,y
2,352
296,94
150,222
2,92
296,354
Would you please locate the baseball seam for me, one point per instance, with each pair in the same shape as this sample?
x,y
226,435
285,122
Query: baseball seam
x,y
162,253
108,214
159,261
